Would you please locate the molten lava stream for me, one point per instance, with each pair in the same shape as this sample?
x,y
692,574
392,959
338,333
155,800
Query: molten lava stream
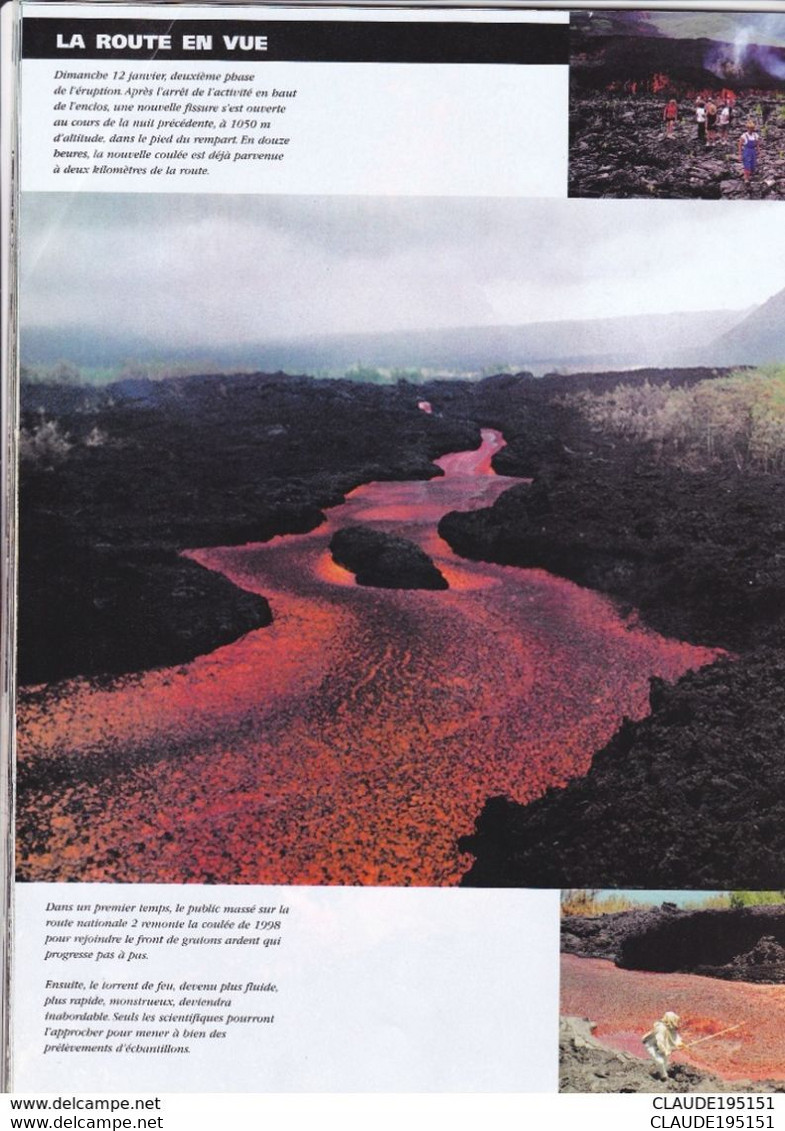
x,y
353,740
625,1003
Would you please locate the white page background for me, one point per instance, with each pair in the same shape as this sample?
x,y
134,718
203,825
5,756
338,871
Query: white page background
x,y
380,989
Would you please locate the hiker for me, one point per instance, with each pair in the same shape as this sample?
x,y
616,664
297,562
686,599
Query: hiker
x,y
711,119
662,1039
670,114
700,118
723,123
749,150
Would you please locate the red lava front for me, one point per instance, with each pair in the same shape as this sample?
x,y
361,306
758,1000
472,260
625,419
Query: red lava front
x,y
625,1003
356,738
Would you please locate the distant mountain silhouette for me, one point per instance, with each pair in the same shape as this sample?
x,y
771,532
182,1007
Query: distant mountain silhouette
x,y
609,47
760,337
639,340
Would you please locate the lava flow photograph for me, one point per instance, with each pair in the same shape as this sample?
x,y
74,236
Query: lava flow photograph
x,y
672,991
677,105
401,541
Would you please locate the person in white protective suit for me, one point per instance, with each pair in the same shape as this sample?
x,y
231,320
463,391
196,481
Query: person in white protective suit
x,y
662,1039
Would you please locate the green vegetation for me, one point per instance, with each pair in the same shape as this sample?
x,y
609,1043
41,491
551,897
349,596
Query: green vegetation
x,y
719,902
366,373
65,372
591,901
371,375
738,419
756,898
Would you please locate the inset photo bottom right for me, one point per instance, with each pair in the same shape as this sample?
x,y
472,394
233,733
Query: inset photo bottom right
x,y
672,991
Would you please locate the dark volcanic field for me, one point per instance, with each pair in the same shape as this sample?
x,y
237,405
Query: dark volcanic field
x,y
741,944
619,85
184,463
619,148
692,796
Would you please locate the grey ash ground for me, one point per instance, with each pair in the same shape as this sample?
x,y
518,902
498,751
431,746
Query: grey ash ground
x,y
587,1065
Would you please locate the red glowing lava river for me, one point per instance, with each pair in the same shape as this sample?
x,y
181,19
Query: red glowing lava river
x,y
625,1003
353,740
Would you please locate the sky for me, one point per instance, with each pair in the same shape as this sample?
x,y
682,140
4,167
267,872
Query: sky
x,y
211,269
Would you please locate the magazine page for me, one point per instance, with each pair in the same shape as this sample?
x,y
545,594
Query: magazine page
x,y
216,180
400,450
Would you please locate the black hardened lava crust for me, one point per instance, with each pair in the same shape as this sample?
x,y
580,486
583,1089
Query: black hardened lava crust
x,y
215,461
386,561
694,795
738,944
155,467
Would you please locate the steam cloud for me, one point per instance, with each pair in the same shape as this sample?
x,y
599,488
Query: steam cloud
x,y
751,55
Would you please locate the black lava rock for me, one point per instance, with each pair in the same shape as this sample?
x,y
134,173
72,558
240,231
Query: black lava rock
x,y
693,796
736,944
384,560
145,469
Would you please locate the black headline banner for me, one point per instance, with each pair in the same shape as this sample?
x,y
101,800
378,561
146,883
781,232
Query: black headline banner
x,y
290,41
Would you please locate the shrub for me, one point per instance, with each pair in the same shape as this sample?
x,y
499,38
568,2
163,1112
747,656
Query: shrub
x,y
738,419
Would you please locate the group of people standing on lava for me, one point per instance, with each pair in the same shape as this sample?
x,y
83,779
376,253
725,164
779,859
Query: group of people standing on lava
x,y
713,120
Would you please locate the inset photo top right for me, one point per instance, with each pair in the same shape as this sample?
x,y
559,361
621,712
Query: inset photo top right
x,y
677,105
